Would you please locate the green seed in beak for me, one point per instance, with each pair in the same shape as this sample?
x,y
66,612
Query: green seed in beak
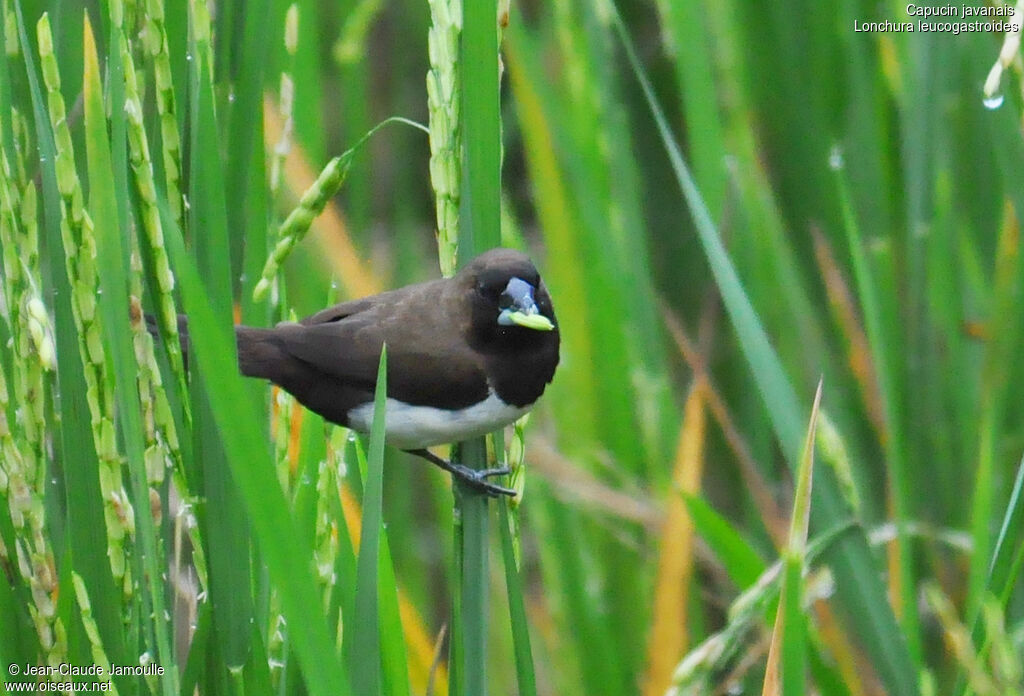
x,y
538,322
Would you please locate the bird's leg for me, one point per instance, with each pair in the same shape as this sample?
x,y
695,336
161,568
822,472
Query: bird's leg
x,y
477,478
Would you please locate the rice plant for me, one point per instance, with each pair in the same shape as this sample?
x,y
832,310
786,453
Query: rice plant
x,y
729,203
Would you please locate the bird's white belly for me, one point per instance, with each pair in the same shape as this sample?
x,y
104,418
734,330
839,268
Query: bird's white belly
x,y
415,427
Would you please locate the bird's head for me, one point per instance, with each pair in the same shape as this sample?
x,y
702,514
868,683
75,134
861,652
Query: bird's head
x,y
508,299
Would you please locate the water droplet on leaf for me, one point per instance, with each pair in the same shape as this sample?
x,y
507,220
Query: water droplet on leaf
x,y
993,102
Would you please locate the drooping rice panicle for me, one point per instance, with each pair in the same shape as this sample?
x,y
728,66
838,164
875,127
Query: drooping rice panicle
x,y
153,237
80,265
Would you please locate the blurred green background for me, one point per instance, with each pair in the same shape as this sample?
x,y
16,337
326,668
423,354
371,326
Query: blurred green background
x,y
855,219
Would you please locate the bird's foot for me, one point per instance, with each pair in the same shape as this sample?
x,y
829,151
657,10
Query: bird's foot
x,y
477,478
474,478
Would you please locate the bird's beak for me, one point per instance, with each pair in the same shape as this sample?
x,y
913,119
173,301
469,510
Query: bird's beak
x,y
518,307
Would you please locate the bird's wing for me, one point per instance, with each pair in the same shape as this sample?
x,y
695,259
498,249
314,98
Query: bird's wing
x,y
426,365
350,308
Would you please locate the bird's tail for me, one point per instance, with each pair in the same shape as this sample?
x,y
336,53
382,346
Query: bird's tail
x,y
260,353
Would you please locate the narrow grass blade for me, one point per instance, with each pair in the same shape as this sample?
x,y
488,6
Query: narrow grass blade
x,y
394,657
226,532
525,674
741,561
1005,565
479,229
365,659
245,130
883,329
481,129
114,302
785,673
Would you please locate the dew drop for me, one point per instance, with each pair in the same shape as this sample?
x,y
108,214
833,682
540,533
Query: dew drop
x,y
993,102
835,158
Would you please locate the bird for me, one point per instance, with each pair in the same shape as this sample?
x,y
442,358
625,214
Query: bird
x,y
467,355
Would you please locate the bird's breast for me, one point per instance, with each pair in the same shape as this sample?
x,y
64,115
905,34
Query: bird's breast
x,y
409,426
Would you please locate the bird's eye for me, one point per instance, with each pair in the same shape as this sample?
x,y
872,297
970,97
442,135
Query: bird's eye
x,y
487,291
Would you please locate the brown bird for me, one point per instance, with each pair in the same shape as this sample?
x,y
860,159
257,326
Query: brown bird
x,y
466,355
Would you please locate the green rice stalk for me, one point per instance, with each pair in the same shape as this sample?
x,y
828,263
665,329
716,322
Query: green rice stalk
x,y
35,355
286,103
282,430
958,642
747,611
92,631
286,99
142,167
337,441
282,436
201,33
479,128
80,264
443,104
574,68
12,277
833,451
312,203
11,30
276,643
22,482
298,222
154,39
286,108
159,429
325,542
511,543
26,314
515,459
694,673
163,449
1004,661
22,453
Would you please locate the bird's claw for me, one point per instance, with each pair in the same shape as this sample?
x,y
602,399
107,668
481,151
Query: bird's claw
x,y
477,478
